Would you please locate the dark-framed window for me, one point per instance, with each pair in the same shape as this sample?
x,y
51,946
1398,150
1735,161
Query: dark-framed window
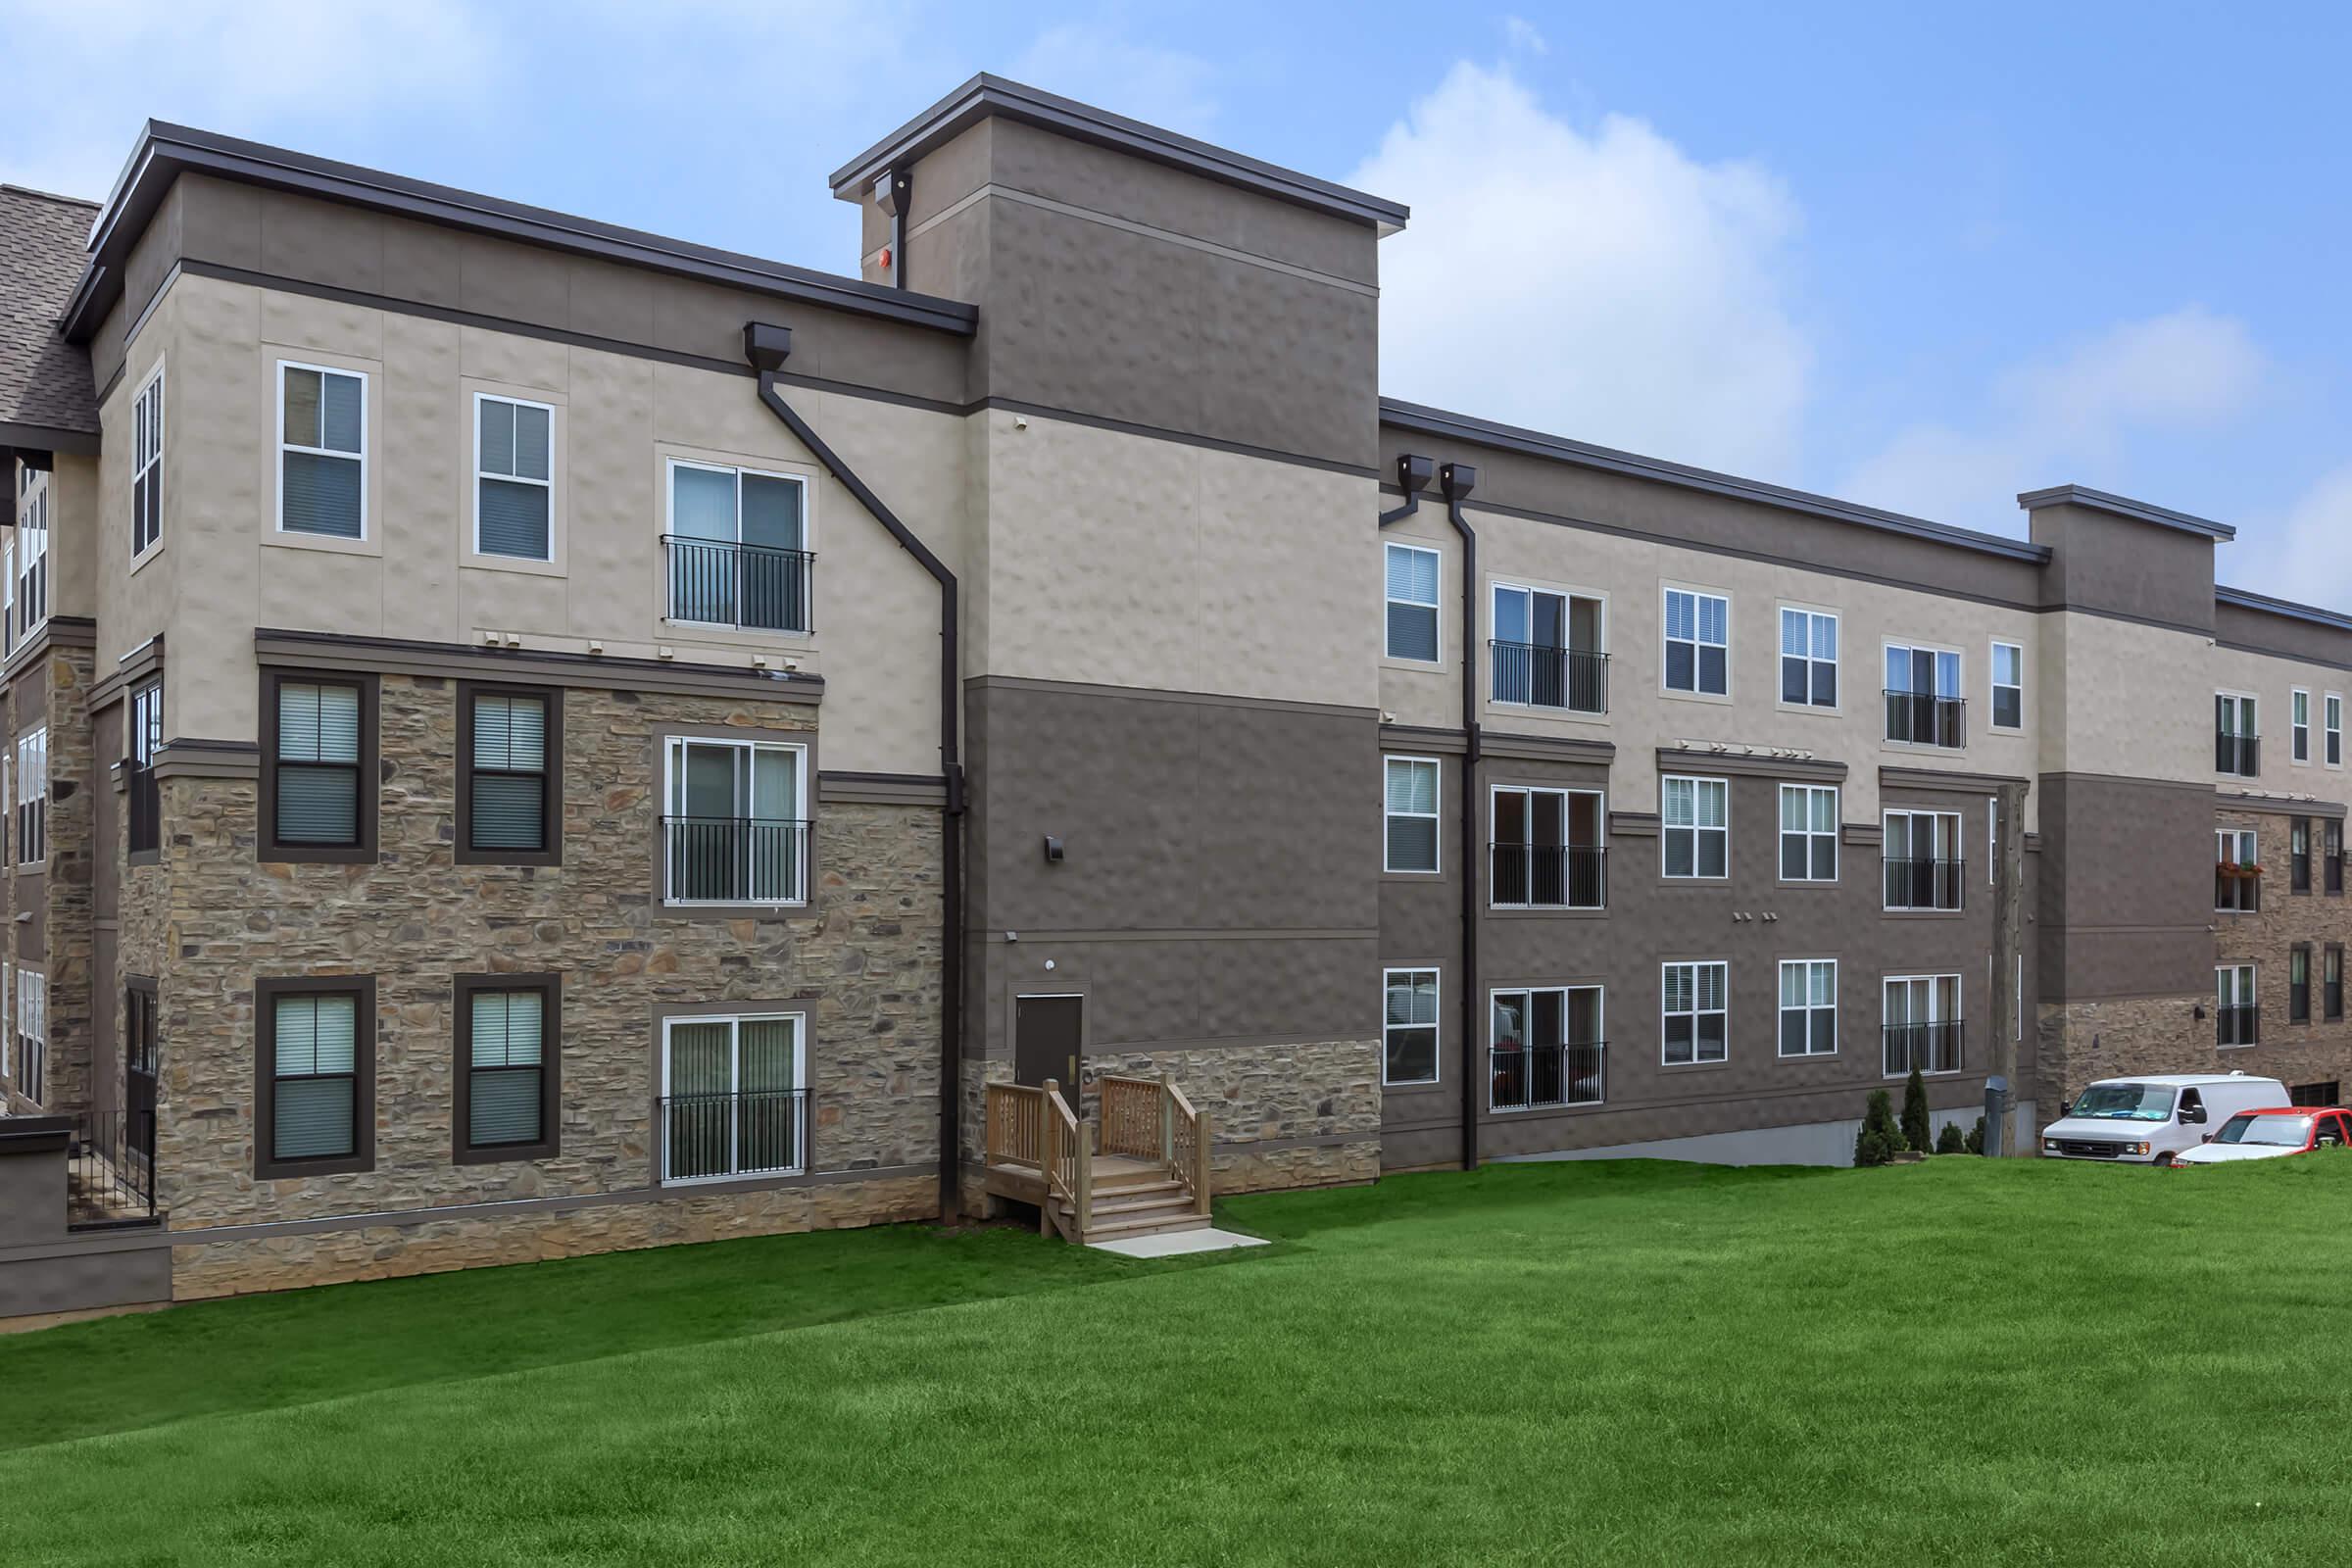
x,y
143,722
2299,856
319,784
313,1082
2298,983
510,775
508,1030
2333,848
2332,983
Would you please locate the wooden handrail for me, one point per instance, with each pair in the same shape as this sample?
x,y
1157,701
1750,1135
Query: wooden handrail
x,y
1131,1117
1069,1165
1016,1125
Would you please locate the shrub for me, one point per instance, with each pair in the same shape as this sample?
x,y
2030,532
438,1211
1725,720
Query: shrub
x,y
1916,1124
1879,1140
1976,1137
1950,1141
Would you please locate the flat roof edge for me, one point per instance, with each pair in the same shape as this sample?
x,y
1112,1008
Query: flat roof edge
x,y
985,95
1534,443
2064,495
2248,598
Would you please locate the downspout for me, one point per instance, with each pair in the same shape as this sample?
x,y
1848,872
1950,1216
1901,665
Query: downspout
x,y
1458,479
893,193
766,348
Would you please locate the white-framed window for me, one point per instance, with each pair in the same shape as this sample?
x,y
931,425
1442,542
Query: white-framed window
x,y
147,464
1550,649
1544,1048
2298,711
1922,1024
1808,1006
2234,890
735,823
322,451
1925,705
738,551
2238,1006
2331,711
1412,600
1547,848
1409,1031
2237,734
514,477
2008,686
1808,658
1692,1012
31,579
1808,833
734,1094
1922,860
32,796
1411,831
32,1035
1699,643
1695,835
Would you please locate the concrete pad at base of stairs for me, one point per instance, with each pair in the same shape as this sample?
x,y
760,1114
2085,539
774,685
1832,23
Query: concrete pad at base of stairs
x,y
1176,1243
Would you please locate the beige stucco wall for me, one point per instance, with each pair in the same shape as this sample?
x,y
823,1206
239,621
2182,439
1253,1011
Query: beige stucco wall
x,y
619,418
2272,682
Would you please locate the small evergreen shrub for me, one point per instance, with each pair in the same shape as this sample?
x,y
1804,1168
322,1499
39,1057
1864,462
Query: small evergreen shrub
x,y
1950,1141
1916,1123
1879,1140
1976,1137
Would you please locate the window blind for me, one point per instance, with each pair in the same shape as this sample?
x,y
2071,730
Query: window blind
x,y
316,1050
318,756
323,467
515,493
510,784
504,1090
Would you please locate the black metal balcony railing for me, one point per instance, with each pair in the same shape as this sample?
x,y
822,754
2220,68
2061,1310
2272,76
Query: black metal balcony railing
x,y
2240,755
751,1132
749,587
1930,1046
146,807
1576,679
1529,1077
2240,1026
109,1169
1550,876
2335,873
1913,884
1922,719
734,860
2235,891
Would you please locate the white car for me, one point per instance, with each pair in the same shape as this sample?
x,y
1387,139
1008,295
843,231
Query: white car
x,y
2147,1121
2269,1134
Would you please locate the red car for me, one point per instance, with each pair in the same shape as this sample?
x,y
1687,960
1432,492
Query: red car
x,y
2270,1134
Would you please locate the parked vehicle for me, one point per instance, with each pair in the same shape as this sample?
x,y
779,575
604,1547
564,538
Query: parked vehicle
x,y
2271,1133
2145,1122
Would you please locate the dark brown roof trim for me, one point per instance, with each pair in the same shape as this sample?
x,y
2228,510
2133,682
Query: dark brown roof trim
x,y
1425,421
48,438
166,151
2246,599
2075,495
319,650
1748,763
1936,778
985,96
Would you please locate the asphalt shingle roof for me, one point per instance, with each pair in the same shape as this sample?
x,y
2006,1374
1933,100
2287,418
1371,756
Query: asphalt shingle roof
x,y
44,380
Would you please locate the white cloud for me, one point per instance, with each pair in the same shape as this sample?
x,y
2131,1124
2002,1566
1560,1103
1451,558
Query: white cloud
x,y
2307,555
1602,284
1524,37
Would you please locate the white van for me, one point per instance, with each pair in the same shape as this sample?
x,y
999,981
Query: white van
x,y
2145,1122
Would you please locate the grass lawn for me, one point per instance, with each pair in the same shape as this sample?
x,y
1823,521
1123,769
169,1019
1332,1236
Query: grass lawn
x,y
1625,1363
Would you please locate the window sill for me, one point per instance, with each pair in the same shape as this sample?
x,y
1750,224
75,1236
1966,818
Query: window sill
x,y
477,560
1548,1110
745,1181
140,559
326,543
1723,698
1805,1056
1913,913
1687,1066
1584,911
505,1155
1806,882
1920,748
278,1170
1947,1072
1410,1083
690,910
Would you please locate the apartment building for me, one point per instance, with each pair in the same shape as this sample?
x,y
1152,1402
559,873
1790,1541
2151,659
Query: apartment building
x,y
529,738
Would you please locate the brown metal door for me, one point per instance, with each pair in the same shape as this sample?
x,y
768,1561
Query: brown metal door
x,y
1046,1034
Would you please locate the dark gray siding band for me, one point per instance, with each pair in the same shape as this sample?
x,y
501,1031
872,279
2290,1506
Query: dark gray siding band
x,y
457,660
1796,769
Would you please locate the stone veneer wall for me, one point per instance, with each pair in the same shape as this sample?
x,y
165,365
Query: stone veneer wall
x,y
864,963
66,890
2315,1052
1286,1115
2082,1042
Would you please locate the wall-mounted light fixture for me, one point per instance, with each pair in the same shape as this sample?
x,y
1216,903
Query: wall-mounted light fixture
x,y
1053,849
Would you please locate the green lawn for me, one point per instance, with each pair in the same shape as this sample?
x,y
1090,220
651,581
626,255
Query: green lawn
x,y
1959,1361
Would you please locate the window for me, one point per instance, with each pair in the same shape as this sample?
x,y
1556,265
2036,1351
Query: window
x,y
2333,713
32,1035
2298,983
1409,1027
2237,742
1690,1013
1808,833
732,1097
1412,813
738,549
147,465
510,795
322,452
1412,592
1699,642
2332,983
315,1100
1808,1006
2314,1095
2236,874
737,828
1547,850
1545,1048
31,580
8,1027
2008,686
2237,1014
506,1097
1924,866
317,769
1924,705
1923,1028
514,477
1548,649
2298,713
1808,658
2298,861
1695,835
32,797
144,720
2333,854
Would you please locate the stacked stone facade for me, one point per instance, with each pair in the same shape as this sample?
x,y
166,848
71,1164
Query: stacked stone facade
x,y
1290,1115
52,934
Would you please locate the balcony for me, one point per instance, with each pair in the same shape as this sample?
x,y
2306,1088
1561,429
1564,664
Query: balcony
x,y
1549,876
2237,755
1931,1047
1924,884
2238,1025
1922,719
1573,680
750,1132
734,860
1543,1077
714,582
109,1169
2236,889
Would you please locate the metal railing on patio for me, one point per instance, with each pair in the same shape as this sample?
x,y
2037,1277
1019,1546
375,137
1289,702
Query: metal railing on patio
x,y
734,860
1550,876
1574,679
109,1169
2238,1025
1913,884
1930,1046
717,582
2240,755
751,1132
1923,719
1532,1077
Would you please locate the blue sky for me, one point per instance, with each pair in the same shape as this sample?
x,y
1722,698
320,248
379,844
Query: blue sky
x,y
1911,259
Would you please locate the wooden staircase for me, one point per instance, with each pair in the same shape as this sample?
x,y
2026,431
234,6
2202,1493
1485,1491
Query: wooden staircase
x,y
1144,1171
